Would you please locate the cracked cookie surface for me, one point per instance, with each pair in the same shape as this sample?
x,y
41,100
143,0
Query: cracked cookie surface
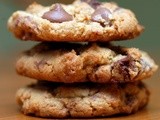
x,y
79,21
47,99
96,62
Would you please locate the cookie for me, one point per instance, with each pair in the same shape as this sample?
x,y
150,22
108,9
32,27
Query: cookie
x,y
83,20
96,62
82,100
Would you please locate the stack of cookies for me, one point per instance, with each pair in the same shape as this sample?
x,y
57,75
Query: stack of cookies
x,y
79,72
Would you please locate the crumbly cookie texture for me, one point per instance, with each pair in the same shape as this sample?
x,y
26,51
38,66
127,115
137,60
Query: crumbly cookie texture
x,y
76,22
96,62
82,100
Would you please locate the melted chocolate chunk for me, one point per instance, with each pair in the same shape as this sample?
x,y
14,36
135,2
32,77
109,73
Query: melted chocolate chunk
x,y
123,65
93,3
101,15
57,14
123,68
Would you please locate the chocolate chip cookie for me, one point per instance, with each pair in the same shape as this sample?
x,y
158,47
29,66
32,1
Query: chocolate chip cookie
x,y
82,100
75,62
83,20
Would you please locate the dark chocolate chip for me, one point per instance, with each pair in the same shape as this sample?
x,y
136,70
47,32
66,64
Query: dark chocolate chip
x,y
57,14
93,3
102,16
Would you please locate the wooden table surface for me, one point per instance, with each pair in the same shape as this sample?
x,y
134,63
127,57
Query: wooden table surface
x,y
10,82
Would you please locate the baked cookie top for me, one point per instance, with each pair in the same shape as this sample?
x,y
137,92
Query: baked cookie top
x,y
83,20
81,100
96,62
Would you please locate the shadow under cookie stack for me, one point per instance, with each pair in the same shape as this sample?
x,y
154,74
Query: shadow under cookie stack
x,y
79,72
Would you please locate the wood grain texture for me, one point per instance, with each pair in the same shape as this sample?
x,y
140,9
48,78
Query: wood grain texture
x,y
10,82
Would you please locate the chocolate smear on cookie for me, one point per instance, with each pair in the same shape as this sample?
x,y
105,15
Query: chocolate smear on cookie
x,y
57,14
102,15
93,3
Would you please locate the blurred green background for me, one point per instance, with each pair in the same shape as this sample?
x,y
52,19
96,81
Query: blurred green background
x,y
147,12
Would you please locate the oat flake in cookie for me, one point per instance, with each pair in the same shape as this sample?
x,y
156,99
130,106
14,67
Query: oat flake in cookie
x,y
47,99
83,20
71,62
